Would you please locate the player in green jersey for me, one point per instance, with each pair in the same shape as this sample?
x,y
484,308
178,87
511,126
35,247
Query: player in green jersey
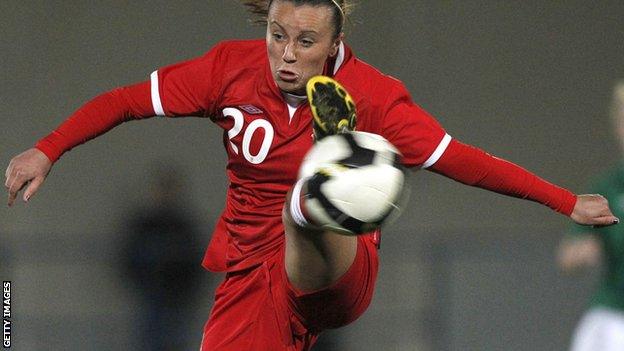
x,y
602,327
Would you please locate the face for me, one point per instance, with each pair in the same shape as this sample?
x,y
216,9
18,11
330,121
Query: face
x,y
299,40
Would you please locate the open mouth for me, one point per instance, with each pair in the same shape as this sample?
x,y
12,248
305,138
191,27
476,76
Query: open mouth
x,y
287,76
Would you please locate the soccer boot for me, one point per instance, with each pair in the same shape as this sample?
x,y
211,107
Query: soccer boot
x,y
333,112
333,109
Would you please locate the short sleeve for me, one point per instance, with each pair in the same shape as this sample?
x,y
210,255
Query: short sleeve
x,y
188,88
419,137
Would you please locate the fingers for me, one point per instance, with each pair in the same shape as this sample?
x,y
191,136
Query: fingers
x,y
605,221
32,188
604,217
15,183
7,173
30,169
9,182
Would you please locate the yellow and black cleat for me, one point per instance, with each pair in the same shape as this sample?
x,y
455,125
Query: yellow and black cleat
x,y
333,109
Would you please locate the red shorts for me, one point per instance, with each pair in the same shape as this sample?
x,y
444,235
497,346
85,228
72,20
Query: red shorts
x,y
258,309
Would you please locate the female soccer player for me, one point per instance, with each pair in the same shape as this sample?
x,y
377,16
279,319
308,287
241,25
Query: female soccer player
x,y
285,282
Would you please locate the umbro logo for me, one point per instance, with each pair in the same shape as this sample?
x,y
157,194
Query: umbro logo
x,y
251,109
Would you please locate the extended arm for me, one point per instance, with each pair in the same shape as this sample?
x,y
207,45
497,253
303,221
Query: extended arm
x,y
30,168
182,89
472,166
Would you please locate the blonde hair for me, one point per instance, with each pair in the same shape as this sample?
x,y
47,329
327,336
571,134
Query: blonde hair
x,y
342,10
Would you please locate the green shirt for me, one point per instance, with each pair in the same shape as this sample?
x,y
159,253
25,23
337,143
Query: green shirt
x,y
611,289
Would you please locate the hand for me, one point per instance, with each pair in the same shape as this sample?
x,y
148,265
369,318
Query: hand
x,y
593,209
28,169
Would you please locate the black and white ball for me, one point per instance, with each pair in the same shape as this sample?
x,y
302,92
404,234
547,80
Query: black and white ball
x,y
355,182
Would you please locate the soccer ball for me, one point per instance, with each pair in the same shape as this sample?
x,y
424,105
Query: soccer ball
x,y
355,182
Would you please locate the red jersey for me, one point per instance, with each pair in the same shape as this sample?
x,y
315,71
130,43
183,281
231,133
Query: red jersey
x,y
266,141
233,86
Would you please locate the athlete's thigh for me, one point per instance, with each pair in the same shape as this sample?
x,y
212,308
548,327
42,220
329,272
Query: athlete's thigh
x,y
245,316
343,301
259,309
315,259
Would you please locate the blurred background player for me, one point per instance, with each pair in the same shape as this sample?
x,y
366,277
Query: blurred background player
x,y
159,257
285,282
602,326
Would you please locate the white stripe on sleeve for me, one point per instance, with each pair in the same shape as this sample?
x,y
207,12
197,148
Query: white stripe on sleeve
x,y
156,103
437,153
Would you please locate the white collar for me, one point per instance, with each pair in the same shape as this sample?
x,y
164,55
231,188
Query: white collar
x,y
293,102
339,58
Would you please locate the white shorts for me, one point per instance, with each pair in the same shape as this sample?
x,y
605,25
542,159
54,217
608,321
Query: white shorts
x,y
599,329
